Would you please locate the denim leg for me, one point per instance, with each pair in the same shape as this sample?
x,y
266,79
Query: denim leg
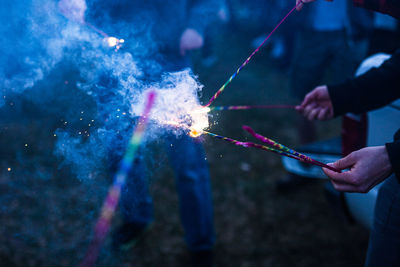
x,y
187,157
384,242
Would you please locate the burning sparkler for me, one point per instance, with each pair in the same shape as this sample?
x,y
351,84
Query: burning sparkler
x,y
221,108
109,40
75,11
110,204
273,146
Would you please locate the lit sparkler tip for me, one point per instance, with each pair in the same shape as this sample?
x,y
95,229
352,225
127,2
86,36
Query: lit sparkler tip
x,y
201,110
114,42
195,132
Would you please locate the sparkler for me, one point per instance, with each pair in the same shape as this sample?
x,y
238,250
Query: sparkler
x,y
252,107
249,58
220,108
274,147
110,204
111,41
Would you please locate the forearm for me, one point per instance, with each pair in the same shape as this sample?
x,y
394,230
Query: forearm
x,y
374,89
388,7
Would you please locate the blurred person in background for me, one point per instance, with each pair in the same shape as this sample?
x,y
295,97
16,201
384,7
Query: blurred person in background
x,y
163,32
386,35
281,46
341,32
369,166
213,30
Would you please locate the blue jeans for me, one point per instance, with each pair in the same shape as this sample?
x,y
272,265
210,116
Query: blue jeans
x,y
193,185
384,242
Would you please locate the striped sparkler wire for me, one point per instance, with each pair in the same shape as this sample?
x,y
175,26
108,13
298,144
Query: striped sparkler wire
x,y
275,148
110,203
219,108
249,58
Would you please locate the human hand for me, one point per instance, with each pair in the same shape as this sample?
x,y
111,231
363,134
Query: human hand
x,y
300,3
317,104
73,9
190,40
368,167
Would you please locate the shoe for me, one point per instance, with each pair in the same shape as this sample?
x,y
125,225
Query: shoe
x,y
202,258
127,235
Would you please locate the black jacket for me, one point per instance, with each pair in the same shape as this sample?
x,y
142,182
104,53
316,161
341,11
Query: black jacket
x,y
376,88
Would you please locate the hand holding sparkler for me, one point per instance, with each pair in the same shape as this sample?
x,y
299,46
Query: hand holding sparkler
x,y
317,104
368,167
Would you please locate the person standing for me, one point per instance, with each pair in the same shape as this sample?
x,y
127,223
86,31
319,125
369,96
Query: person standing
x,y
369,166
341,32
160,35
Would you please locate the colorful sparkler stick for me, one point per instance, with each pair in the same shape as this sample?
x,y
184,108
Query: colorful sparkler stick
x,y
110,204
285,148
249,58
297,156
250,144
252,107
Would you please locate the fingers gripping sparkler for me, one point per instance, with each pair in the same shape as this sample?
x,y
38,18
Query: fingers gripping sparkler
x,y
110,203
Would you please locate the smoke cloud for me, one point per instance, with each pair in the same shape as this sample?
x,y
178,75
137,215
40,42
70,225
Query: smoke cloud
x,y
108,87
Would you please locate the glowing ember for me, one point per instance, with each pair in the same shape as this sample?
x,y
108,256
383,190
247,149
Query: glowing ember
x,y
195,132
199,119
114,42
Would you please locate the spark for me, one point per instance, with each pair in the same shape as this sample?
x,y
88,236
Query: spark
x,y
195,133
9,169
115,42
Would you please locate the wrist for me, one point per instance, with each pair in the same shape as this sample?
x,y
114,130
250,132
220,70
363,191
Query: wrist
x,y
393,154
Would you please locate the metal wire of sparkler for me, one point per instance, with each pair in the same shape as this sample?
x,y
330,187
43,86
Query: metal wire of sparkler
x,y
274,147
219,108
249,58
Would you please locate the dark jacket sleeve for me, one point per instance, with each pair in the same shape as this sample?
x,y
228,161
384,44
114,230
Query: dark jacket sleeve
x,y
393,150
374,89
390,7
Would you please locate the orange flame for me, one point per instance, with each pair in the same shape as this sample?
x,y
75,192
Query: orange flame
x,y
195,133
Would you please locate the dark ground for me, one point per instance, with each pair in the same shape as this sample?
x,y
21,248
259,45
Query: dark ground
x,y
47,214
